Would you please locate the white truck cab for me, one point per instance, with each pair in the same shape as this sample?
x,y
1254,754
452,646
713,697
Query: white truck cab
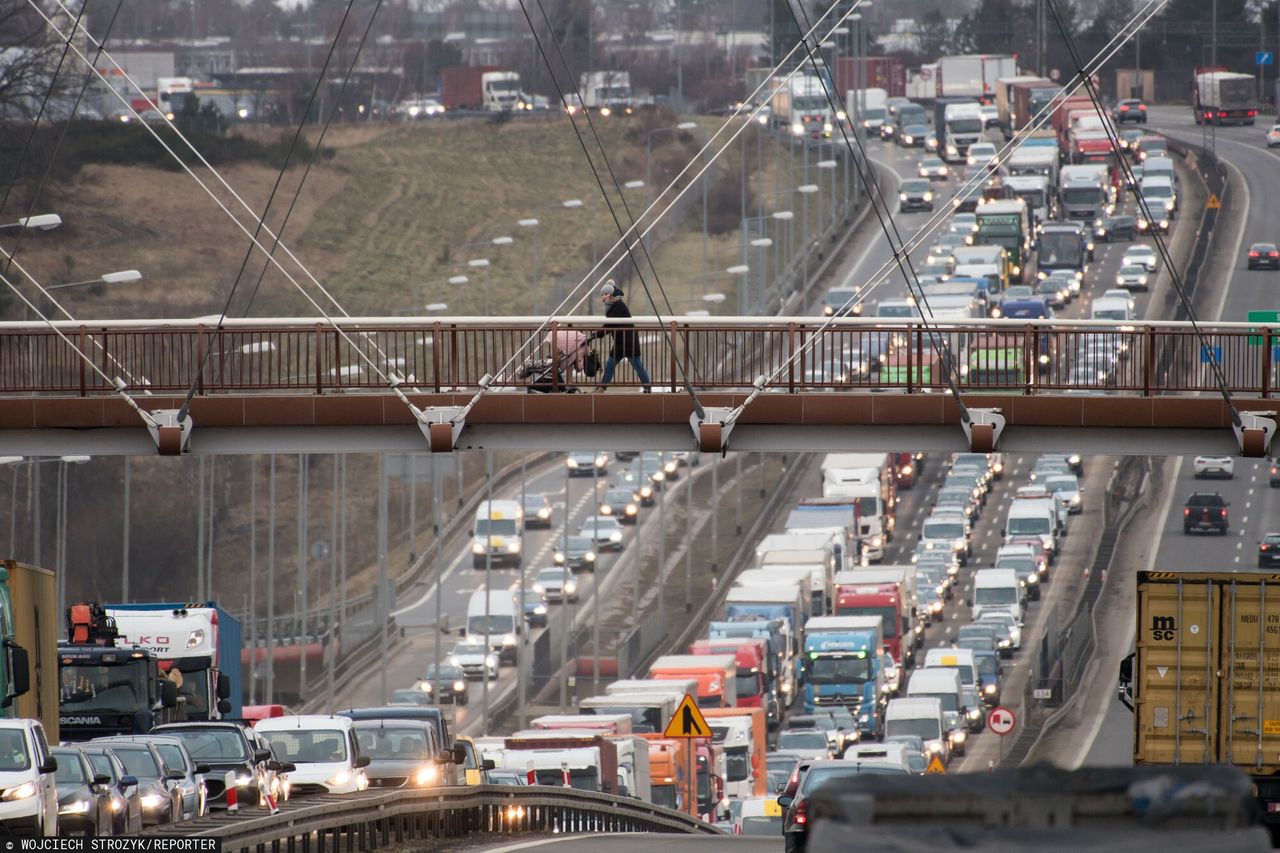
x,y
28,789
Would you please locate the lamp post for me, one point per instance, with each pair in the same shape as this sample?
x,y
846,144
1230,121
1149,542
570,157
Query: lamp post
x,y
830,166
805,191
41,222
121,277
480,264
788,217
761,243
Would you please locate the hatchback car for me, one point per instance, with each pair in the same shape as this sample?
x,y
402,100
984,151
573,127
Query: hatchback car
x,y
1129,137
1269,550
453,683
915,136
556,585
1113,229
401,753
1054,291
535,609
1131,110
882,759
1206,512
604,531
576,552
161,798
1273,136
1214,466
587,463
1132,277
934,169
1264,255
1141,255
915,195
84,795
475,659
621,504
537,511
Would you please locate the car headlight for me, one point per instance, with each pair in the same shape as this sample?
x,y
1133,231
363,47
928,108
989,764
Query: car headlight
x,y
477,548
459,686
826,127
153,801
1043,359
902,196
342,777
244,780
928,196
935,746
797,129
490,661
570,587
453,660
540,610
513,547
910,140
632,509
19,792
1075,500
544,513
1034,577
508,639
426,775
975,713
877,541
841,115
117,803
572,463
74,807
659,477
864,718
1017,270
935,606
989,689
1004,644
606,510
558,557
957,736
646,492
958,545
615,536
539,588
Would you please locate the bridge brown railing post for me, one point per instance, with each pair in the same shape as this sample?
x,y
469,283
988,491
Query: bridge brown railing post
x,y
687,358
912,360
791,352
200,359
1030,357
1267,354
83,367
1148,360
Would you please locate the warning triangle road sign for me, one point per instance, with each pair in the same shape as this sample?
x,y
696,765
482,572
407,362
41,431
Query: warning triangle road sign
x,y
688,721
1213,203
935,765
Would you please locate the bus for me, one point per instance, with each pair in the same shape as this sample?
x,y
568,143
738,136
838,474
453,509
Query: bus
x,y
1062,246
1008,224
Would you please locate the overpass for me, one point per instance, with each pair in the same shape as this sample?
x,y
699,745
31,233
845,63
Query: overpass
x,y
784,383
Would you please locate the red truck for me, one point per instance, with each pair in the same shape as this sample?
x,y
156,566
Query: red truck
x,y
887,592
876,72
905,466
1026,99
751,657
1062,111
460,87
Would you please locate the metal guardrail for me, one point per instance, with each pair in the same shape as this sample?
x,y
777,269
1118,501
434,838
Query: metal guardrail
x,y
378,818
303,358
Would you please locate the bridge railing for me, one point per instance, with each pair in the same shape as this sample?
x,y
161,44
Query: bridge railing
x,y
302,357
375,819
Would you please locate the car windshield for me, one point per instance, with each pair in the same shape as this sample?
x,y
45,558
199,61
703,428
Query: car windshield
x,y
70,768
1034,525
1061,484
943,529
579,543
407,743
1022,565
802,740
13,750
1205,500
138,761
985,643
495,527
308,746
172,755
831,670
995,595
915,186
965,125
925,728
112,689
469,649
211,744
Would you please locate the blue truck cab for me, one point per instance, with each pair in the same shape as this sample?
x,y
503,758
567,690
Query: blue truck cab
x,y
842,668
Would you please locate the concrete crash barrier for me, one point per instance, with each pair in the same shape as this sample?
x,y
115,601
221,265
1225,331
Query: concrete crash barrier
x,y
1042,808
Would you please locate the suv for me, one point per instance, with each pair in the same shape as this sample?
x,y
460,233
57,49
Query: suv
x,y
226,747
1205,511
1131,109
1269,551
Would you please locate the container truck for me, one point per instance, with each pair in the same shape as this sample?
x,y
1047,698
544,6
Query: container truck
x,y
759,742
1219,96
716,675
801,109
972,75
460,86
614,724
650,712
1006,111
787,601
669,773
106,687
921,85
873,72
957,124
842,668
872,479
28,606
1030,100
753,674
629,686
845,511
776,635
501,91
1201,683
733,735
628,754
821,572
888,592
869,107
588,763
606,91
201,641
1084,191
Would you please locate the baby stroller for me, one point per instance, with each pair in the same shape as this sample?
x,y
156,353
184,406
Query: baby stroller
x,y
570,350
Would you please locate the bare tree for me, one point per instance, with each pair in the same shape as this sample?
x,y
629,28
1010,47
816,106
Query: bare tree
x,y
29,52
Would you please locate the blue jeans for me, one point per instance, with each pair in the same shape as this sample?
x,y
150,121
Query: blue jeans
x,y
610,363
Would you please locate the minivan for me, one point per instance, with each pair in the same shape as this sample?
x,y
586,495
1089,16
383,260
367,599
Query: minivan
x,y
920,716
496,615
323,750
998,589
943,684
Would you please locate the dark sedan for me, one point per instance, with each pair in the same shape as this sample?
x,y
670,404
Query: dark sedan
x,y
537,511
1269,550
535,609
84,795
913,136
126,799
1264,255
453,683
1113,229
1131,109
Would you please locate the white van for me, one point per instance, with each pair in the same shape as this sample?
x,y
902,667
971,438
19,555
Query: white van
x,y
1033,517
495,615
998,589
920,716
498,534
943,684
323,749
948,531
1111,308
961,660
27,762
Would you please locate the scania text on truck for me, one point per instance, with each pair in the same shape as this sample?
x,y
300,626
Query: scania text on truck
x,y
201,641
1219,96
842,668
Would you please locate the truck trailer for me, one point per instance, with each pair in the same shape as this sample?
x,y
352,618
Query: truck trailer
x,y
1219,96
28,606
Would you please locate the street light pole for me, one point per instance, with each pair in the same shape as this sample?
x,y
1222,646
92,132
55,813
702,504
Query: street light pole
x,y
124,533
271,582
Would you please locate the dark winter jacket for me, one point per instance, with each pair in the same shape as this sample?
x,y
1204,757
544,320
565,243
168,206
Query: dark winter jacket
x,y
626,343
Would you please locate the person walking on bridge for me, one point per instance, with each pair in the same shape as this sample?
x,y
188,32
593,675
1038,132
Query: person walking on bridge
x,y
626,343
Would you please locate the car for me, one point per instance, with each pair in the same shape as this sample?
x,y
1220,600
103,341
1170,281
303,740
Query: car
x,y
474,658
178,758
779,767
664,462
1128,137
913,745
1159,221
1120,293
940,253
1273,136
838,301
916,136
1054,291
160,796
453,683
513,778
1139,255
1151,146
535,609
1114,228
537,511
934,168
1214,466
1269,550
1264,255
930,600
881,759
1132,277
1009,632
557,584
411,696
979,637
604,530
1023,560
1205,512
84,795
915,194
126,800
981,153
1050,464
417,109
971,701
1130,109
823,722
1066,486
323,750
807,743
622,504
226,747
576,552
586,463
401,753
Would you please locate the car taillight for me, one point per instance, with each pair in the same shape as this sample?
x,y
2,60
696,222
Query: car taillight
x,y
1142,108
1262,547
801,817
1253,254
1186,510
1224,513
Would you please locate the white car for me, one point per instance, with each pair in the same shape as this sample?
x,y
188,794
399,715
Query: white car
x,y
556,584
1273,136
934,169
604,530
1133,277
1214,466
475,659
1067,487
1121,293
1008,623
981,153
28,789
321,748
1141,256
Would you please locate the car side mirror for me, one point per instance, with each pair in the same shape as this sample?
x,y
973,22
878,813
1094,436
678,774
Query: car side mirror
x,y
101,779
224,707
261,755
128,782
363,761
50,765
287,767
203,769
488,764
784,801
459,754
968,602
224,686
168,694
1002,532
175,775
19,672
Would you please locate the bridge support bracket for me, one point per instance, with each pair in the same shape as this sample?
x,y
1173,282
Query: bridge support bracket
x,y
1254,432
712,432
442,425
170,435
983,429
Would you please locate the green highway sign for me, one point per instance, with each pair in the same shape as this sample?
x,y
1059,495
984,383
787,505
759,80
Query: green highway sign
x,y
1261,317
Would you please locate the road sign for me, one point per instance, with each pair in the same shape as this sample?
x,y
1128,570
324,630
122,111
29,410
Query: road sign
x,y
1260,317
1042,693
1001,720
687,721
1263,57
1214,203
1211,354
935,765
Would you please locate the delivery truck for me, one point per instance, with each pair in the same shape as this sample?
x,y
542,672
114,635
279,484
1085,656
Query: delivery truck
x,y
1202,680
972,75
1219,96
